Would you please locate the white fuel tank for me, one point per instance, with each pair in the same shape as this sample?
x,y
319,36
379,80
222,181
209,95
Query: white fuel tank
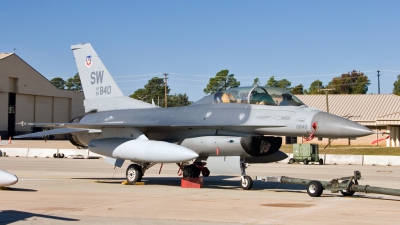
x,y
142,150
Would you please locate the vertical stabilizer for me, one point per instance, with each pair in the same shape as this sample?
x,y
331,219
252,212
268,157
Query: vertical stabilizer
x,y
101,91
96,80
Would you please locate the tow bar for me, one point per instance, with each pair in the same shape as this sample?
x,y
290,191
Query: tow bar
x,y
346,185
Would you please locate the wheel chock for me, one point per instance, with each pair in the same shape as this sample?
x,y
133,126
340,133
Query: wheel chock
x,y
137,183
193,182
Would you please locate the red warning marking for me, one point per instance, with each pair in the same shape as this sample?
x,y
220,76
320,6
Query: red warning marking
x,y
218,151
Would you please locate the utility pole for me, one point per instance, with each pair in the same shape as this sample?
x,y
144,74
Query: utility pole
x,y
327,107
165,88
326,93
379,86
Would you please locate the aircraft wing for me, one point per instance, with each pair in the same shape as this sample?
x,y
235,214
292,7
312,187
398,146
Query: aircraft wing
x,y
87,126
52,132
64,128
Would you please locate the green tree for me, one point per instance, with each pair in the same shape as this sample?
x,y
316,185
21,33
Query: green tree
x,y
221,81
396,86
285,84
177,100
256,81
298,90
58,82
153,90
350,83
74,83
315,88
272,82
140,94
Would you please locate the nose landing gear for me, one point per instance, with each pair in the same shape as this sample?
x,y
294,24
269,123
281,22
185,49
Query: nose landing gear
x,y
246,181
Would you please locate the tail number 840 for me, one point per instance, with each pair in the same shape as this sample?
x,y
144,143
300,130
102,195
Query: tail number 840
x,y
301,127
106,90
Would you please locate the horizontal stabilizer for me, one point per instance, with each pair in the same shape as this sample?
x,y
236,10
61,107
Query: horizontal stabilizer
x,y
52,132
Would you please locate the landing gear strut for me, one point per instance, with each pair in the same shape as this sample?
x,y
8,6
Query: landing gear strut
x,y
194,170
246,181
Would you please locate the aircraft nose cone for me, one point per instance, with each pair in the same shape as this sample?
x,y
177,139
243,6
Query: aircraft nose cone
x,y
7,179
329,125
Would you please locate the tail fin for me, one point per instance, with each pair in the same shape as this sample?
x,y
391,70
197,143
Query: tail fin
x,y
101,91
96,80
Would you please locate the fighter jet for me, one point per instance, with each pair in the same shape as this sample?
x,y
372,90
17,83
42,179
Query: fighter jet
x,y
221,132
7,179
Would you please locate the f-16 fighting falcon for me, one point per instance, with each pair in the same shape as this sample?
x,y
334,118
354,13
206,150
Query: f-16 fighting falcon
x,y
223,131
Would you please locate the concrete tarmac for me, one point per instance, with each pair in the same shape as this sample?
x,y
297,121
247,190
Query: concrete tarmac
x,y
89,191
53,144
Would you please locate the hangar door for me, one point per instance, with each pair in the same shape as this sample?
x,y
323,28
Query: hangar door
x,y
11,114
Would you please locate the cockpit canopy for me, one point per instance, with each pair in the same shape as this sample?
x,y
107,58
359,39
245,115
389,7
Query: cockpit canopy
x,y
253,95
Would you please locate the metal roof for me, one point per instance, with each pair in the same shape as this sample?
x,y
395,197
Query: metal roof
x,y
363,108
3,55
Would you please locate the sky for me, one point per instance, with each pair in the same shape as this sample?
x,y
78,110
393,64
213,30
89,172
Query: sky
x,y
300,41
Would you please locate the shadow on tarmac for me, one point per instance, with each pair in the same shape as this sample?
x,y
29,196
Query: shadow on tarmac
x,y
214,182
19,189
222,182
12,216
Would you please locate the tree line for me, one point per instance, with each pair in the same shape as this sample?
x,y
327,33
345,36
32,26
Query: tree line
x,y
73,83
354,82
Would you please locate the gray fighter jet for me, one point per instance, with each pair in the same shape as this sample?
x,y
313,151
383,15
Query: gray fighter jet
x,y
225,130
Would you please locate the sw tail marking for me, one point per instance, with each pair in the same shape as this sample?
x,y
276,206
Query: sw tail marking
x,y
97,77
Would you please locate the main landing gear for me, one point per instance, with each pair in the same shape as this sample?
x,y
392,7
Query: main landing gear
x,y
135,172
246,181
194,170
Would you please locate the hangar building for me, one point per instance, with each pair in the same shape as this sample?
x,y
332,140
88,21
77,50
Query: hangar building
x,y
26,95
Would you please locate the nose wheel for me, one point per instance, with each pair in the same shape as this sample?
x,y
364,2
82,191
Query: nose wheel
x,y
246,181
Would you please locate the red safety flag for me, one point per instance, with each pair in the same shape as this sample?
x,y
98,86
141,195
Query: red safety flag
x,y
218,151
381,139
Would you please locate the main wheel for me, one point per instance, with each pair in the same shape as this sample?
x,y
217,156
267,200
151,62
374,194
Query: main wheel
x,y
247,183
321,161
191,171
134,173
305,161
196,171
291,161
314,188
187,172
205,172
347,193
